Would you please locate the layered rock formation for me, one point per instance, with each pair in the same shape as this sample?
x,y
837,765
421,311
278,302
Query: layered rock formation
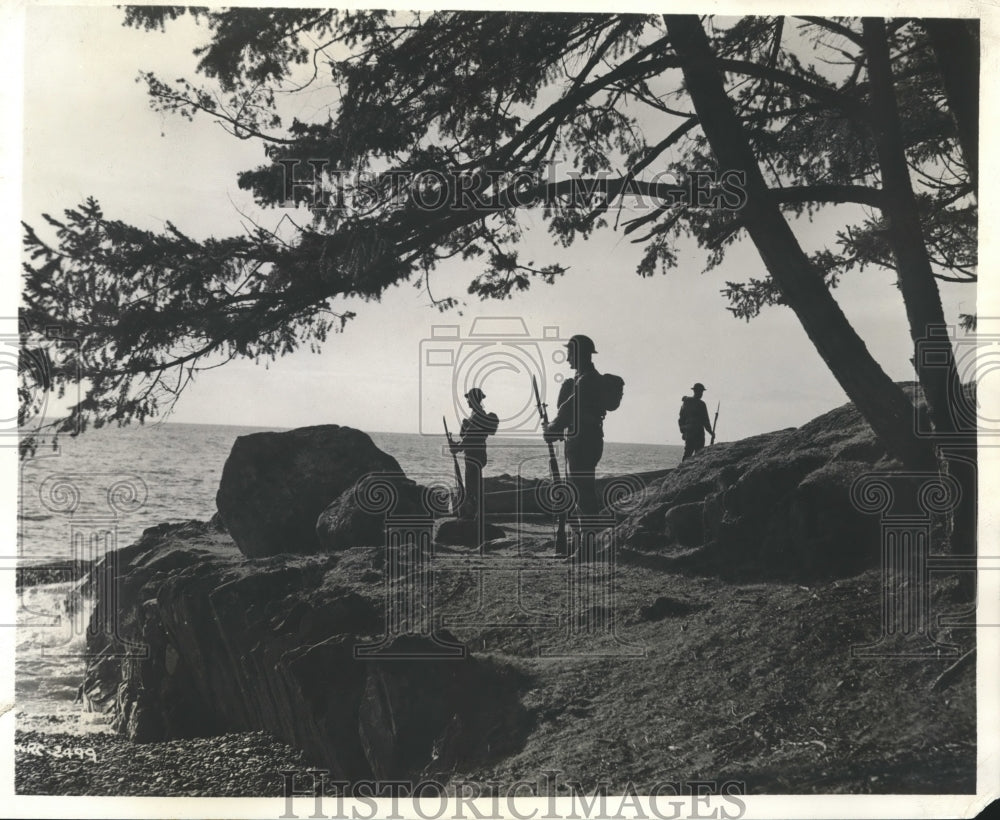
x,y
207,642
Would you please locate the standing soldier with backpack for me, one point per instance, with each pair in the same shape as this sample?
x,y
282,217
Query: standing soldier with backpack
x,y
693,421
584,400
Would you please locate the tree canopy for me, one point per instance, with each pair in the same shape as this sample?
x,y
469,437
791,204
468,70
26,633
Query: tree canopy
x,y
493,113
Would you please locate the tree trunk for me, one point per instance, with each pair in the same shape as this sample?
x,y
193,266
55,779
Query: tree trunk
x,y
882,403
957,52
916,278
933,355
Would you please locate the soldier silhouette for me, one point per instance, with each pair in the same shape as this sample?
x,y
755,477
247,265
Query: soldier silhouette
x,y
580,419
693,421
472,442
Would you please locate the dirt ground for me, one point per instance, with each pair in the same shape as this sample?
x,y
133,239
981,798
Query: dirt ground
x,y
665,677
637,675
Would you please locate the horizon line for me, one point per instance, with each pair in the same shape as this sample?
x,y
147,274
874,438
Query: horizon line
x,y
266,427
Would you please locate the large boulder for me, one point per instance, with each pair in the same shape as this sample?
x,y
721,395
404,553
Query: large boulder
x,y
274,485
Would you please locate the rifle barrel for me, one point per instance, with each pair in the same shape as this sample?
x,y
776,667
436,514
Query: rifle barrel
x,y
561,548
454,458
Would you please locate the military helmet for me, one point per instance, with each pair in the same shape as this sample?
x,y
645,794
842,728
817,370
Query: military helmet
x,y
699,386
584,344
475,394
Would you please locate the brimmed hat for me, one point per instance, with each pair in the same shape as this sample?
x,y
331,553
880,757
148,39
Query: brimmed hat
x,y
475,394
699,386
584,344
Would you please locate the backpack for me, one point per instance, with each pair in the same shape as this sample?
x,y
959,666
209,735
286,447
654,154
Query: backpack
x,y
612,388
492,424
682,417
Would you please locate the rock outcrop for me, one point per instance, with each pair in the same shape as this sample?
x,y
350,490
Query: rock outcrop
x,y
507,495
357,516
189,637
275,485
206,642
772,506
465,532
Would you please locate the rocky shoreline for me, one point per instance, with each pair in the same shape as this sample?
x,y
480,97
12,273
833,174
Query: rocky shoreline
x,y
705,627
56,572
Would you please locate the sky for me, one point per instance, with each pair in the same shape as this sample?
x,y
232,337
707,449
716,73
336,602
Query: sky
x,y
88,130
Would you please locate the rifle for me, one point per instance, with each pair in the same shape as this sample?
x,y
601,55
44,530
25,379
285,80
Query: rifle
x,y
714,422
454,458
553,469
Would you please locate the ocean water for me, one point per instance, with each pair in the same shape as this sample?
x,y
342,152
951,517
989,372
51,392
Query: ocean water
x,y
102,489
121,481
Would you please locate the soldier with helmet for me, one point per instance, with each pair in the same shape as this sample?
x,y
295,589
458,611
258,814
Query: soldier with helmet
x,y
693,421
580,419
472,441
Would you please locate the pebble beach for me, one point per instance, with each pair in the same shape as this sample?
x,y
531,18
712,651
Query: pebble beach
x,y
61,749
103,764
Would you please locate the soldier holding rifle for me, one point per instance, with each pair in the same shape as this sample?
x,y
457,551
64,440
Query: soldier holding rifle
x,y
580,418
455,505
472,441
693,421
